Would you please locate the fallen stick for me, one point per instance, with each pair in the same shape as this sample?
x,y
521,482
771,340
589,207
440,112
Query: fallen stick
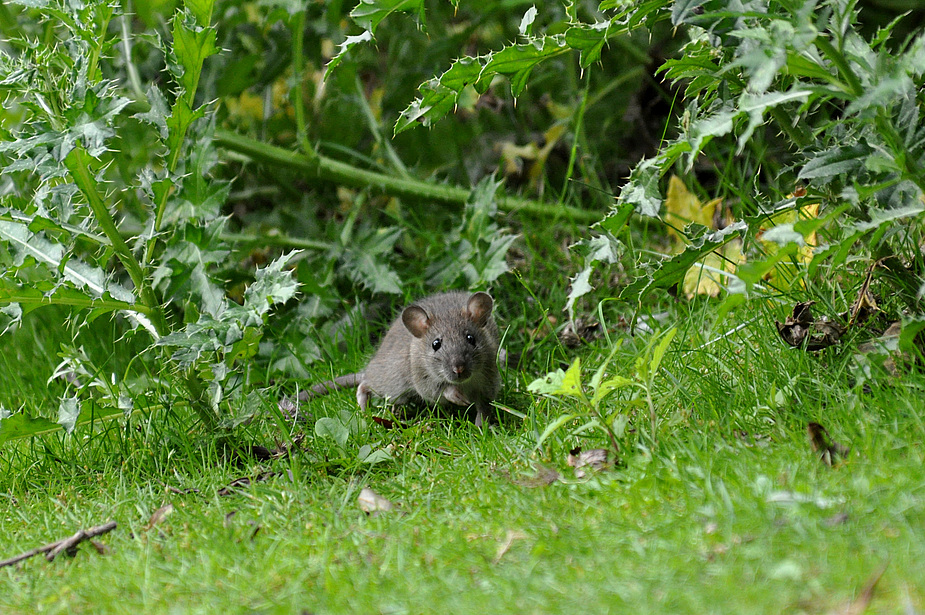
x,y
54,549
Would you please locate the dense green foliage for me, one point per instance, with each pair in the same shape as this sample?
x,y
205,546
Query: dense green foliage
x,y
206,206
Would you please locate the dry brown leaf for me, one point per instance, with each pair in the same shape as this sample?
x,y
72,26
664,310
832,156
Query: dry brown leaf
x,y
829,450
579,331
887,344
372,503
859,605
159,515
504,547
244,481
596,459
544,476
802,327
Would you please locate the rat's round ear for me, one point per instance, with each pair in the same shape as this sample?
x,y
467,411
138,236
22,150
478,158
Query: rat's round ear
x,y
416,320
479,308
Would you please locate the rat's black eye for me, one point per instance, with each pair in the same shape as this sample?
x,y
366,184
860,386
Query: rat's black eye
x,y
470,338
436,344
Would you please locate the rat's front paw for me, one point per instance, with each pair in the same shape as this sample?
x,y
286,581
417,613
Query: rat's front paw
x,y
453,395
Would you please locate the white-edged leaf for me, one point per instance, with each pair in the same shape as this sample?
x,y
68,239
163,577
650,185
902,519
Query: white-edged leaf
x,y
68,411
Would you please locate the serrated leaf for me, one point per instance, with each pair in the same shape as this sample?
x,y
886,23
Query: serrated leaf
x,y
518,60
157,114
26,244
68,411
881,216
839,160
672,271
617,218
641,190
493,264
589,40
439,96
526,22
579,286
704,128
273,284
368,14
349,43
201,10
192,44
436,102
603,248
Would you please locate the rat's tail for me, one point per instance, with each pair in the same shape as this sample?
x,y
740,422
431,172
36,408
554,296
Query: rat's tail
x,y
289,406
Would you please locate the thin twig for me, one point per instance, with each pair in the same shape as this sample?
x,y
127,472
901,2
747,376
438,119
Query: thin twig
x,y
52,550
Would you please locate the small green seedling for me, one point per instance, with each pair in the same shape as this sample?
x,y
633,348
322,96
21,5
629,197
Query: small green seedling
x,y
569,384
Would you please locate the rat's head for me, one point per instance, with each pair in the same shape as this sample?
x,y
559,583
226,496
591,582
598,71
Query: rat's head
x,y
454,343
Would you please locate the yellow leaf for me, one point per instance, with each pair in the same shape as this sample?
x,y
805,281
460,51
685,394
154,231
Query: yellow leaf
x,y
786,272
704,277
682,208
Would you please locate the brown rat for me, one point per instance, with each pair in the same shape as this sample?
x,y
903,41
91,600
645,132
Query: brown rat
x,y
442,348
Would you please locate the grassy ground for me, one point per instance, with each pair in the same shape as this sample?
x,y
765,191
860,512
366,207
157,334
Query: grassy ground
x,y
730,512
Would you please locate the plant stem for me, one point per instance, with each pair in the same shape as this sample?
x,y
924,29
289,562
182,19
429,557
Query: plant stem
x,y
786,124
298,35
326,169
835,56
78,163
278,240
36,297
652,417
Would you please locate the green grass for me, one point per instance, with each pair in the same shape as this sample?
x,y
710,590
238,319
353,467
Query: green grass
x,y
731,512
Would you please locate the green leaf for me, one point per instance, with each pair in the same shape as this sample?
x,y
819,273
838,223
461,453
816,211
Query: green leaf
x,y
609,386
549,384
879,217
221,335
571,382
349,43
201,10
273,284
517,61
839,160
672,271
589,40
28,245
660,350
192,44
327,427
368,14
641,190
22,425
554,426
603,248
439,96
68,411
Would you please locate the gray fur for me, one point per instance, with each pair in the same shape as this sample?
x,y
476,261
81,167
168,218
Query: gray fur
x,y
462,371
